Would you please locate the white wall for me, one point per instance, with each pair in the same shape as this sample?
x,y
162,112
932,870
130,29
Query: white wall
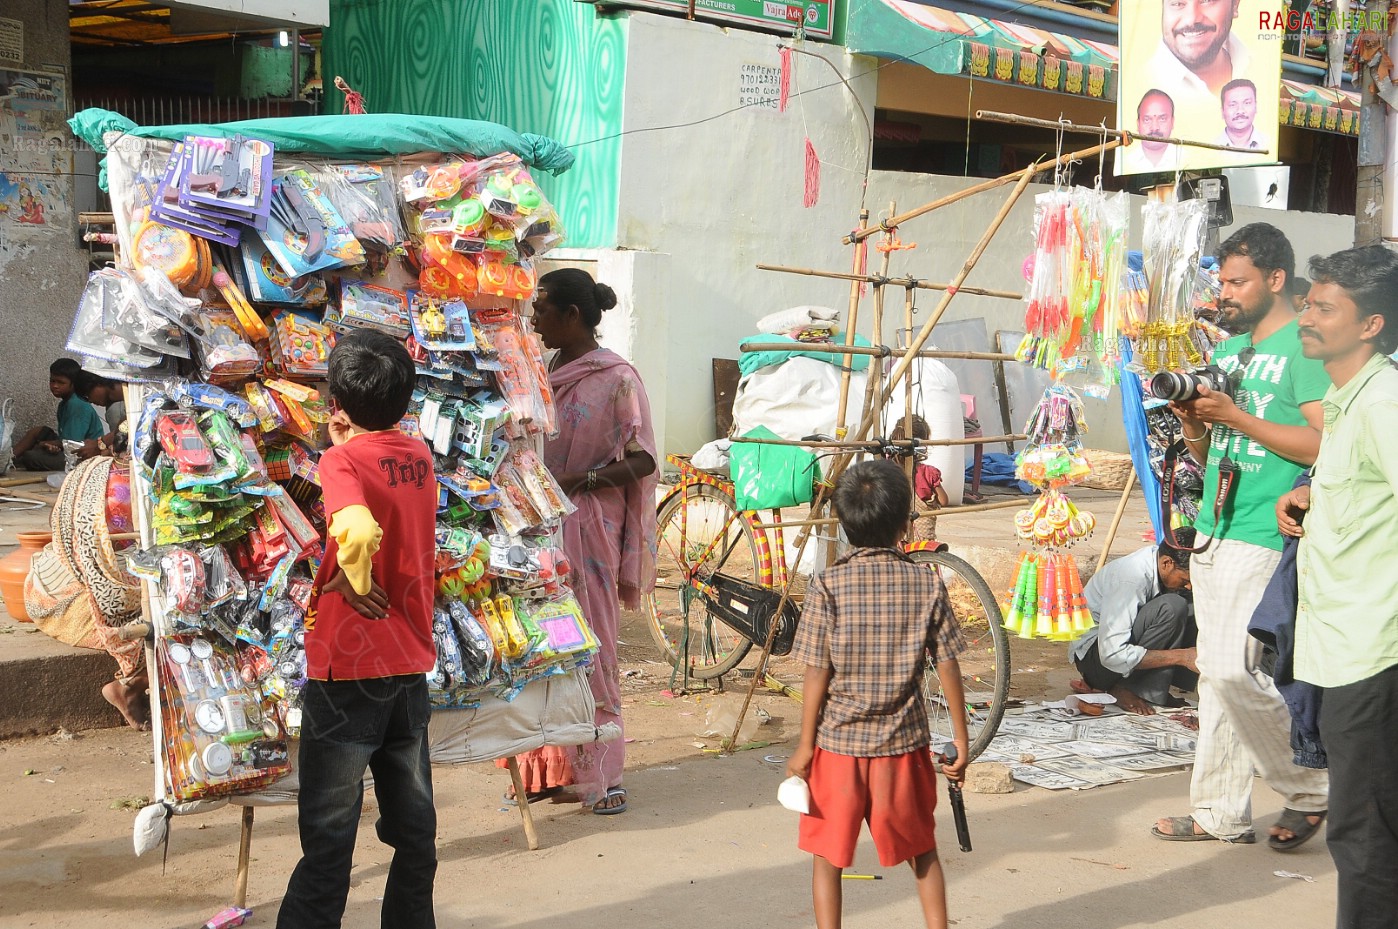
x,y
722,196
717,198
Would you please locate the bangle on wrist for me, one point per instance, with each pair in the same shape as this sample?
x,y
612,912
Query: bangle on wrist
x,y
1193,438
591,480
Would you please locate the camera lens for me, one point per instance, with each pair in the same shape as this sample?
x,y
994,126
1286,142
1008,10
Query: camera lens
x,y
1174,385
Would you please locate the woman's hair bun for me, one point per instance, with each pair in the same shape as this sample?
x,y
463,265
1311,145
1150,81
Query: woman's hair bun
x,y
606,297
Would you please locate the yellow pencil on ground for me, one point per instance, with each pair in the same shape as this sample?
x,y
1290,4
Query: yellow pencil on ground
x,y
862,877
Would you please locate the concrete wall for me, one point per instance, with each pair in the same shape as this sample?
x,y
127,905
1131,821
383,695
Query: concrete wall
x,y
41,268
719,197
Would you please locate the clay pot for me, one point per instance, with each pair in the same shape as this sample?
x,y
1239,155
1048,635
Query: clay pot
x,y
14,568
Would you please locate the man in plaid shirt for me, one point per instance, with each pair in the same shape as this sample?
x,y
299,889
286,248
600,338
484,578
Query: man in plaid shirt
x,y
870,623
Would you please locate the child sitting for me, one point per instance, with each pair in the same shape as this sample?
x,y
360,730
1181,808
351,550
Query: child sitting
x,y
927,482
870,623
41,448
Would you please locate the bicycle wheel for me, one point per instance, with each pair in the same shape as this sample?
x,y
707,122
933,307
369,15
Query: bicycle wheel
x,y
985,665
700,531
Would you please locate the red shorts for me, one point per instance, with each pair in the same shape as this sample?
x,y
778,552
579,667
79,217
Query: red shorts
x,y
895,794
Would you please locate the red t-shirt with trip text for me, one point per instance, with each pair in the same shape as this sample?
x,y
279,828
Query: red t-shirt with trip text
x,y
391,474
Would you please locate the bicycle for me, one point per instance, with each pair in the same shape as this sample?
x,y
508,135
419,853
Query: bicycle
x,y
714,563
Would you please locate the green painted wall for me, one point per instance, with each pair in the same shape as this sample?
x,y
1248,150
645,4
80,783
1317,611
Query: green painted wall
x,y
553,67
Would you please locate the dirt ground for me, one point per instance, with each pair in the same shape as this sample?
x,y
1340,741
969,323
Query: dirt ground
x,y
704,841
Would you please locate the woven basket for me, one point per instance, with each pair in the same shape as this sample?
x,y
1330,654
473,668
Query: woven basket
x,y
1110,470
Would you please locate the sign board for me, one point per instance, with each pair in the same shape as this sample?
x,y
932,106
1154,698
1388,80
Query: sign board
x,y
818,16
1206,72
11,41
759,86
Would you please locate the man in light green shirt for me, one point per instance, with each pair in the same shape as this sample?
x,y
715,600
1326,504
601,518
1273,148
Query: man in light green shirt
x,y
1347,610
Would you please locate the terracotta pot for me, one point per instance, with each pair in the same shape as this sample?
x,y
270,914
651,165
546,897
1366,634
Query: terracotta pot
x,y
14,568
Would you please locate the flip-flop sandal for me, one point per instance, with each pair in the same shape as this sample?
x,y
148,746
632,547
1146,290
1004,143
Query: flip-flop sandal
x,y
1182,830
612,810
533,796
1298,825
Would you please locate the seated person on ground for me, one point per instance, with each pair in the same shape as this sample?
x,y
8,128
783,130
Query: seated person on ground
x,y
927,482
41,448
1143,642
106,393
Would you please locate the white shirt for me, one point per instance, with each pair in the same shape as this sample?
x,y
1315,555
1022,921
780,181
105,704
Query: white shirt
x,y
1134,159
1256,140
1115,594
1171,76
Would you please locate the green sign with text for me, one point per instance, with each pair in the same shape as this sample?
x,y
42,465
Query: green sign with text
x,y
816,16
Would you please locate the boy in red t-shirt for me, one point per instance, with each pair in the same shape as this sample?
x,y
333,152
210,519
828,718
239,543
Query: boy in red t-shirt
x,y
870,623
368,647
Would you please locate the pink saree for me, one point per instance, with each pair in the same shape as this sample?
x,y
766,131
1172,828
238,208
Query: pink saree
x,y
610,540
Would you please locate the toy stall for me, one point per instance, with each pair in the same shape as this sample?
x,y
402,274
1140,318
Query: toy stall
x,y
244,250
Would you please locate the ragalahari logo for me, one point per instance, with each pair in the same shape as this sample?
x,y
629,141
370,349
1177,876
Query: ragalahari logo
x,y
1322,21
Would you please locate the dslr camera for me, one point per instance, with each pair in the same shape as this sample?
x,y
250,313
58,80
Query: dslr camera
x,y
1184,385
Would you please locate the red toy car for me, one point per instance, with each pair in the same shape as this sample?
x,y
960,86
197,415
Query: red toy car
x,y
181,439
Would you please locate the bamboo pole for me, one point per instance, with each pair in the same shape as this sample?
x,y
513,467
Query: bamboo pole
x,y
908,281
890,443
1127,138
873,383
851,324
1022,176
944,511
910,463
1116,519
830,348
531,835
240,880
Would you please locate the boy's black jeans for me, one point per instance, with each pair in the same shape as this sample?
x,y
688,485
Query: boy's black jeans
x,y
346,726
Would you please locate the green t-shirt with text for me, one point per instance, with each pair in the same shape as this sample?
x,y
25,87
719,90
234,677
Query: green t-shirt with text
x,y
1277,381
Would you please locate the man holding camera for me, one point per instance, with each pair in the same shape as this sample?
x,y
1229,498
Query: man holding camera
x,y
1256,436
1347,610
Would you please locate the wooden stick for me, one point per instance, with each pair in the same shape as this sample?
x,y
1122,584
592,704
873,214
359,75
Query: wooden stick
x,y
1116,519
531,835
944,511
240,882
851,324
830,348
892,443
1023,176
873,381
1126,138
25,479
897,281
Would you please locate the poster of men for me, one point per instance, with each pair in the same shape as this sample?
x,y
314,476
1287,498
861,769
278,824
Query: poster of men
x,y
1204,70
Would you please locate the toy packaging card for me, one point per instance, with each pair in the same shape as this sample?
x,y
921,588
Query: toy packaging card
x,y
268,282
232,176
167,208
441,326
305,233
369,305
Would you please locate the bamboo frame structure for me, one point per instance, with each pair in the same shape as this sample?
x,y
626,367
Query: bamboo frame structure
x,y
880,388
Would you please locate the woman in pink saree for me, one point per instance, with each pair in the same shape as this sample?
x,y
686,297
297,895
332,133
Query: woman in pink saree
x,y
605,458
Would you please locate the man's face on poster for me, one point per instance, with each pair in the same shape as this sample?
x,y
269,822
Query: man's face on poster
x,y
1197,30
1155,119
1239,110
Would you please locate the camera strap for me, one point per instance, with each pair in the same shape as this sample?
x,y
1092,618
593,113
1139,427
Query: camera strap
x,y
1227,476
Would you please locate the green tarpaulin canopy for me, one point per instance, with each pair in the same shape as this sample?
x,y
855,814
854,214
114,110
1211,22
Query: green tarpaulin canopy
x,y
351,136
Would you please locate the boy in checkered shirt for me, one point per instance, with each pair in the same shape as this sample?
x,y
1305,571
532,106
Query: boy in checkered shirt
x,y
871,622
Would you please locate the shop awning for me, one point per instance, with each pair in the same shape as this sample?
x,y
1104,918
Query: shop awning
x,y
962,43
1324,109
1012,53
